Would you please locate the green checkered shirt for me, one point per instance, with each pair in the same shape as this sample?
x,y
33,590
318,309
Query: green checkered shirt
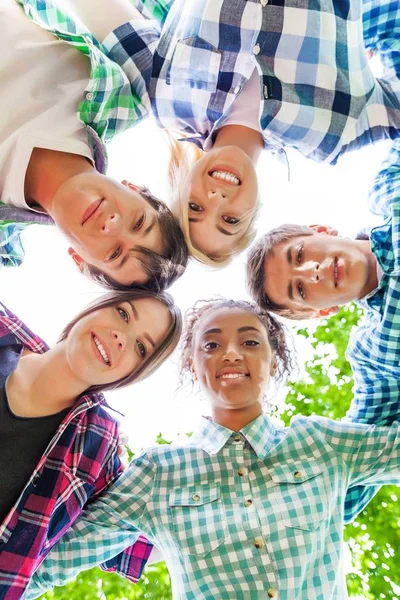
x,y
249,515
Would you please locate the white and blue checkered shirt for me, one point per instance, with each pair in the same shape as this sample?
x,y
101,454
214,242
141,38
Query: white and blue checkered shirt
x,y
317,91
244,516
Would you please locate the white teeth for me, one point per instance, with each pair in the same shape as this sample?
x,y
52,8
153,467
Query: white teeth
x,y
232,375
100,348
225,176
335,273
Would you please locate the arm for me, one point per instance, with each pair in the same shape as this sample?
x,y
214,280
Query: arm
x,y
385,189
108,526
97,16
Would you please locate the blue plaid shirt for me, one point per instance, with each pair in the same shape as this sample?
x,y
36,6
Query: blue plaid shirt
x,y
374,348
317,92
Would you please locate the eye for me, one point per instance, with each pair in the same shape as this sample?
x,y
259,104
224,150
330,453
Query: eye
x,y
211,345
123,314
142,348
139,223
115,254
301,291
195,207
300,254
231,220
251,343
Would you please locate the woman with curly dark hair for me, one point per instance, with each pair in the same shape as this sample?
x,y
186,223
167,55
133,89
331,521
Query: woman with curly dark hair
x,y
245,510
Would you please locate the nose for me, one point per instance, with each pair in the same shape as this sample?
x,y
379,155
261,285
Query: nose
x,y
119,339
216,194
311,271
232,353
111,224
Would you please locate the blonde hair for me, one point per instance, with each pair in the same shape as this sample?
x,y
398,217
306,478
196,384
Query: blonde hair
x,y
182,159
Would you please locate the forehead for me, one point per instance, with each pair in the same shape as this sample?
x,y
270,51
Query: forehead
x,y
229,320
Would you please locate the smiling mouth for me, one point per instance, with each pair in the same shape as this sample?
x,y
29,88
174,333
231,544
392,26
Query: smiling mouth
x,y
233,378
101,350
226,176
91,210
335,272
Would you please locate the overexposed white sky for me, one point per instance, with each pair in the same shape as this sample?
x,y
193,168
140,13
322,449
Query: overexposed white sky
x,y
46,291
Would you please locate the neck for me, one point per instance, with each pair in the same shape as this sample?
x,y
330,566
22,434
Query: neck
x,y
247,139
43,384
236,419
47,171
372,276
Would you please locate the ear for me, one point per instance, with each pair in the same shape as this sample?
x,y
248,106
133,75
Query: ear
x,y
78,260
323,229
192,369
273,368
326,312
131,186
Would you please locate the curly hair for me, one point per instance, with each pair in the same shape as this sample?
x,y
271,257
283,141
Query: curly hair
x,y
275,330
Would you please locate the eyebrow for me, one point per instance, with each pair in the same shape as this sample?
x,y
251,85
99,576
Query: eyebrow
x,y
136,317
224,231
240,330
290,259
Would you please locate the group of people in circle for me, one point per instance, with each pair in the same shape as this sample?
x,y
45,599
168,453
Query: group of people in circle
x,y
246,509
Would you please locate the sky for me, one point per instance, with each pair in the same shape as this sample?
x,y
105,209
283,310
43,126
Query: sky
x,y
47,290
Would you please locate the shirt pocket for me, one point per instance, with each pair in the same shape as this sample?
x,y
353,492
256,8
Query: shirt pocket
x,y
194,63
198,518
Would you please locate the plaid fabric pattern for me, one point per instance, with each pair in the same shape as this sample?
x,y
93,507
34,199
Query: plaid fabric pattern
x,y
374,347
13,221
79,464
246,515
317,91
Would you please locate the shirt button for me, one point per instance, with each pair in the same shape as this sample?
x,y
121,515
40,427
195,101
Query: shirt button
x,y
263,2
242,472
196,497
237,438
258,543
237,89
248,502
89,96
256,49
271,593
298,474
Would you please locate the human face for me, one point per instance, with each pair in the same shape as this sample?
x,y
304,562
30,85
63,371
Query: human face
x,y
110,343
104,222
232,359
317,273
222,196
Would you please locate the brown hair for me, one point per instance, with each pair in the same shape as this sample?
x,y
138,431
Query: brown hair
x,y
161,352
255,268
161,269
274,329
183,155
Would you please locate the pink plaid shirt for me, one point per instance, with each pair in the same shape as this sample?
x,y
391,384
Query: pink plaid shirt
x,y
79,464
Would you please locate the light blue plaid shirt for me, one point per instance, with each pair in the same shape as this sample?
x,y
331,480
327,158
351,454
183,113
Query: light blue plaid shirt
x,y
374,347
245,516
317,92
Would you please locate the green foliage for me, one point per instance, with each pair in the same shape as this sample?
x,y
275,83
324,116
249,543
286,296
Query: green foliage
x,y
374,538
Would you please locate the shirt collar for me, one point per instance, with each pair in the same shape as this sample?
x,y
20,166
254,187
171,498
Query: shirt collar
x,y
212,437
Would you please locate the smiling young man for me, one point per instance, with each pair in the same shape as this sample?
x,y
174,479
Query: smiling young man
x,y
68,99
301,272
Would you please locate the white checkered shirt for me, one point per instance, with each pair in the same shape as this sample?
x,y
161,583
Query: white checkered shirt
x,y
245,516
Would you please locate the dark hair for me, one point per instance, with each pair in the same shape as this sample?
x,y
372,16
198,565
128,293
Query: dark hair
x,y
255,268
161,352
161,269
274,329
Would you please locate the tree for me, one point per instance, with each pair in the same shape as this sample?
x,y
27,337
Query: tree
x,y
373,538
